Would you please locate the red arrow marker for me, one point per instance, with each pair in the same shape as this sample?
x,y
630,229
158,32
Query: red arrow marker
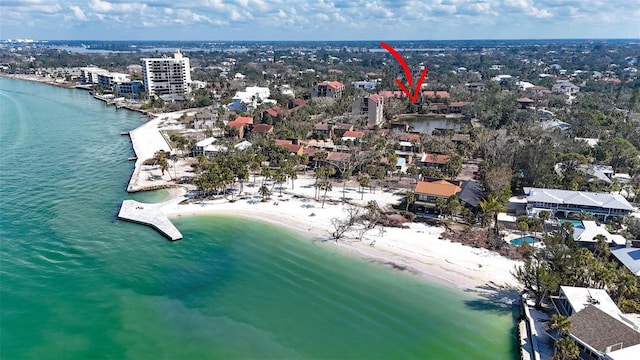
x,y
407,73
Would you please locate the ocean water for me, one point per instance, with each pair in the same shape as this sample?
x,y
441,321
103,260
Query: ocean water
x,y
76,283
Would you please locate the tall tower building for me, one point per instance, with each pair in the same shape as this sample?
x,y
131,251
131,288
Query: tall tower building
x,y
167,76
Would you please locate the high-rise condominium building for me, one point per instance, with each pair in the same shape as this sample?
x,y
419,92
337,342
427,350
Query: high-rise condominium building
x,y
167,76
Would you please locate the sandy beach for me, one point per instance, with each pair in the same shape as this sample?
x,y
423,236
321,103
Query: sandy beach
x,y
418,248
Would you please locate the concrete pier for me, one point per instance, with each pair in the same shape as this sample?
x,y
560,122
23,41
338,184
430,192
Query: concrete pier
x,y
148,214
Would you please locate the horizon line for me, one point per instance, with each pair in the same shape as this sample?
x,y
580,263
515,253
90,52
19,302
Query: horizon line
x,y
317,40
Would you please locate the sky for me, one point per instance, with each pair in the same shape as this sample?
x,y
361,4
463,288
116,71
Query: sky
x,y
318,19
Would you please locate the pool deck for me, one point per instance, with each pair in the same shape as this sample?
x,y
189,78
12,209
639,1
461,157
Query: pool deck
x,y
148,214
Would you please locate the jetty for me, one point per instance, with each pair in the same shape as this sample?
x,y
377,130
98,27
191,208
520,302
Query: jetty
x,y
148,214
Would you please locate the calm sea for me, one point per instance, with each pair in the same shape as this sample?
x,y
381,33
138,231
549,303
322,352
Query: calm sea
x,y
75,283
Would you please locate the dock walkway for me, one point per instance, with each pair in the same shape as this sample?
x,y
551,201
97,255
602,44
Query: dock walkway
x,y
148,214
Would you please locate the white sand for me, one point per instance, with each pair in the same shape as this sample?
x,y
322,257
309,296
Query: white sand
x,y
418,248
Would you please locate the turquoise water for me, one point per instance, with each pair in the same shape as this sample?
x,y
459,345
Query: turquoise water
x,y
528,239
76,283
576,223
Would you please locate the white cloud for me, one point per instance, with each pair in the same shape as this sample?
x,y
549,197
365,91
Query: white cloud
x,y
335,19
78,13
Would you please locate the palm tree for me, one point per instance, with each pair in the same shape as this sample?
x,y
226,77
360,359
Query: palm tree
x,y
363,181
560,323
523,227
566,349
544,216
490,207
410,198
264,192
326,186
441,204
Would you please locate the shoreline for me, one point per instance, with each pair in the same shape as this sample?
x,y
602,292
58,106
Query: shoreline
x,y
417,249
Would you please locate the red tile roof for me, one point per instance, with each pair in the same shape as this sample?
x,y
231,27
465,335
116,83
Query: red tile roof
x,y
354,134
244,120
436,159
274,111
441,188
310,151
458,104
321,127
236,124
283,142
433,94
299,102
332,84
375,97
525,100
262,128
409,137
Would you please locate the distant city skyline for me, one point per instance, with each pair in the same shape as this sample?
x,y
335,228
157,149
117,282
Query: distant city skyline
x,y
318,20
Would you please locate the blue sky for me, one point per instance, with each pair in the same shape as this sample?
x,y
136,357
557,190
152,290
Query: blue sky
x,y
318,19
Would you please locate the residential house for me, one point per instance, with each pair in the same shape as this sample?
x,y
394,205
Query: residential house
x,y
525,102
367,85
456,107
587,232
330,89
372,106
629,257
599,328
437,108
428,193
352,135
562,203
435,160
476,86
296,149
471,194
241,123
538,91
262,129
273,113
251,98
322,130
433,95
207,147
340,129
565,87
388,94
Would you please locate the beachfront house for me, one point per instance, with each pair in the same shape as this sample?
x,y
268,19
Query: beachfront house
x,y
586,233
599,328
564,203
428,193
629,257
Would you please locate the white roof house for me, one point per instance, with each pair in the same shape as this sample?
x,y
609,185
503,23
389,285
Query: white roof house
x,y
590,229
250,98
565,87
629,257
569,201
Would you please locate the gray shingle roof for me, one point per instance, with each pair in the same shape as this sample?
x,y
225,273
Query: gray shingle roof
x,y
569,197
599,330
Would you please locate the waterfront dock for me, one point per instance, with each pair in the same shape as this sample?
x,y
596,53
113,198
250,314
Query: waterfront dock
x,y
148,214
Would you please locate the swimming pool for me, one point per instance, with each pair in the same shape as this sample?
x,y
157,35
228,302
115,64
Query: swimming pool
x,y
576,223
528,239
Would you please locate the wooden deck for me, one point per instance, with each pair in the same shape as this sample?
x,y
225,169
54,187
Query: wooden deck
x,y
148,214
